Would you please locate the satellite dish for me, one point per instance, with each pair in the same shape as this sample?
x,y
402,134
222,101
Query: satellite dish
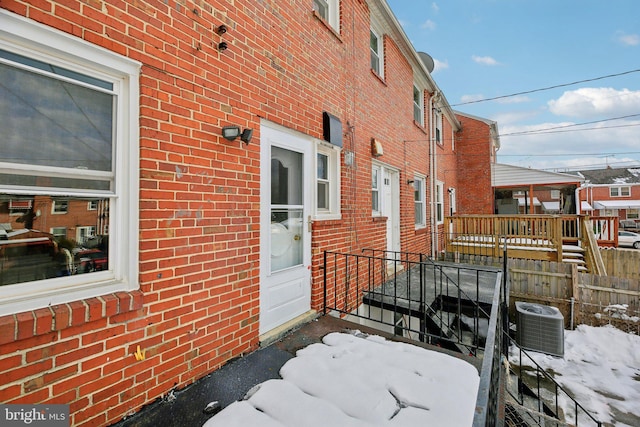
x,y
427,60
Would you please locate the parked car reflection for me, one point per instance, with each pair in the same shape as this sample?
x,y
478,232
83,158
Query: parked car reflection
x,y
90,260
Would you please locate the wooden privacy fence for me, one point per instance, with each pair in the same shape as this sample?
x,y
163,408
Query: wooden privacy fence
x,y
582,298
621,262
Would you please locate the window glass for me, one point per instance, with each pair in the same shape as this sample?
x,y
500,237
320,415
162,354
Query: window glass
x,y
438,123
323,181
322,8
329,10
375,189
439,203
419,205
418,103
28,253
77,120
375,44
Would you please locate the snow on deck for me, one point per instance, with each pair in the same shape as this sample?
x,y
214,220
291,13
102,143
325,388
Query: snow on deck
x,y
357,380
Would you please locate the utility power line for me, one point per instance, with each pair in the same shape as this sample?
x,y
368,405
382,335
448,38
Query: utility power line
x,y
548,131
547,88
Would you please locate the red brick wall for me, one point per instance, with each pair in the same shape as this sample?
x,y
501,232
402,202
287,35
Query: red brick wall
x,y
595,193
474,146
198,303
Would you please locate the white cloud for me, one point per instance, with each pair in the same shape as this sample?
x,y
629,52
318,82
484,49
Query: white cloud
x,y
513,117
439,65
484,60
471,98
596,102
557,146
629,39
435,7
514,100
429,25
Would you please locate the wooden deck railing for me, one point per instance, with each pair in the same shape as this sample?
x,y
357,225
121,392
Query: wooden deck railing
x,y
542,237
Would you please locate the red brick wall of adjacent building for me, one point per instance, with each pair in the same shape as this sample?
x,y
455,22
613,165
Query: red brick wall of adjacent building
x,y
198,303
474,160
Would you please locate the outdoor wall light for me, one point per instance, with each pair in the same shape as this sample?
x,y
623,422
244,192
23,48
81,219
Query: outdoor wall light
x,y
410,181
246,135
232,132
222,46
221,29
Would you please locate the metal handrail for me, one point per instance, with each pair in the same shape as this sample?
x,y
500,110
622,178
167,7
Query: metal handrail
x,y
558,389
339,297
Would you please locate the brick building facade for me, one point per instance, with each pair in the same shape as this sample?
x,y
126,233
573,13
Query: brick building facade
x,y
213,242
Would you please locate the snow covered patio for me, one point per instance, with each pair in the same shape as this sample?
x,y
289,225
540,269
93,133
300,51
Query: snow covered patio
x,y
352,380
339,378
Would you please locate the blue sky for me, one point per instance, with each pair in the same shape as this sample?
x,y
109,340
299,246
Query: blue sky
x,y
492,48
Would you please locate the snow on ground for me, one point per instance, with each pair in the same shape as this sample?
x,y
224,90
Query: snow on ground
x,y
356,380
601,368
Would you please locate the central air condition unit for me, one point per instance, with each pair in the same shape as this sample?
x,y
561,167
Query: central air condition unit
x,y
540,328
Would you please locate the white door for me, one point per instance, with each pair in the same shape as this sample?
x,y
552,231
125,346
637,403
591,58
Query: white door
x,y
391,209
285,240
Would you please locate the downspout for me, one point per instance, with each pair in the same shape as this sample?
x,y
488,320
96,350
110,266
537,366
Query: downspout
x,y
432,183
578,201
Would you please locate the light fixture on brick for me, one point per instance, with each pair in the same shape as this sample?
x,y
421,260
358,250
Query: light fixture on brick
x,y
232,132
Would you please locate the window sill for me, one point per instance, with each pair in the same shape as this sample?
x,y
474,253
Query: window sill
x,y
380,219
378,76
29,324
324,22
420,126
421,230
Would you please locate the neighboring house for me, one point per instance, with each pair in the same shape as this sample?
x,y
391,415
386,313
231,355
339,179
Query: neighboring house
x,y
612,192
76,219
531,191
217,152
476,148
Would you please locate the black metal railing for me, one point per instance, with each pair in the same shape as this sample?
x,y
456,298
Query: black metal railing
x,y
413,296
538,390
459,307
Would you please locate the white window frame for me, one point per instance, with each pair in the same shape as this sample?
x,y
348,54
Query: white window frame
x,y
418,105
633,213
331,13
379,54
437,119
83,233
620,191
30,39
555,194
419,200
439,201
376,188
58,231
13,211
332,153
59,207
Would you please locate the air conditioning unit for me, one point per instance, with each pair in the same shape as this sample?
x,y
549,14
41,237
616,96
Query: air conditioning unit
x,y
540,328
